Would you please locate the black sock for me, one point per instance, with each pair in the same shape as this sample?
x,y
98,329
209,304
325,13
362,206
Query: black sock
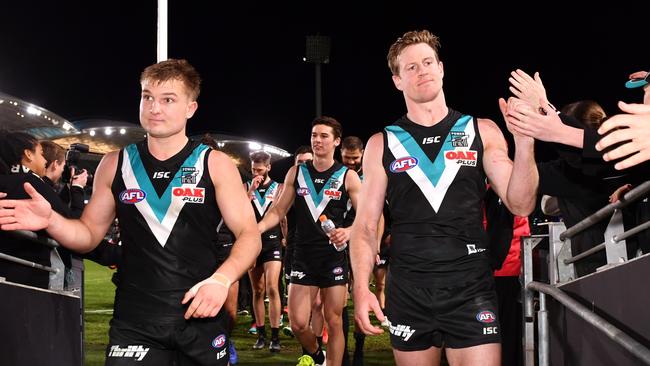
x,y
261,331
318,356
359,339
320,341
346,328
275,334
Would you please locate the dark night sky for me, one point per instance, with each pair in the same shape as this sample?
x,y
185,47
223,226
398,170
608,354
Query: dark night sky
x,y
80,60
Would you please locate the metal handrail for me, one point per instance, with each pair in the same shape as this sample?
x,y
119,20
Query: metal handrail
x,y
56,268
33,236
606,211
614,333
26,263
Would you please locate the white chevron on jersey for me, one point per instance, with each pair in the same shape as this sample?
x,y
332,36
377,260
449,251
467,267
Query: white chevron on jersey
x,y
435,194
316,207
161,228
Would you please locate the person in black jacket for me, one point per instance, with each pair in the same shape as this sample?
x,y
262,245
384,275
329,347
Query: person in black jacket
x,y
72,194
22,160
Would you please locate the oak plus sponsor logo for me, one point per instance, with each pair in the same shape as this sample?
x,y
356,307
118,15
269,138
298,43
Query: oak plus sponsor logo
x,y
132,196
400,330
333,194
462,157
189,195
136,351
403,164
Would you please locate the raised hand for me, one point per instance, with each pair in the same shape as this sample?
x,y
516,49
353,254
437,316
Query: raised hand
x,y
528,89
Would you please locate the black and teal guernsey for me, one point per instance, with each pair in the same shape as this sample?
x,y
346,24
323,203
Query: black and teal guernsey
x,y
263,197
168,219
318,193
435,190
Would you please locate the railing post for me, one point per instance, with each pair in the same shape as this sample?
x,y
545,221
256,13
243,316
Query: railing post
x,y
528,244
616,250
542,331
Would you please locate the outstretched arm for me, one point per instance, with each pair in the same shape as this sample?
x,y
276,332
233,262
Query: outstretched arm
x,y
363,244
81,235
281,205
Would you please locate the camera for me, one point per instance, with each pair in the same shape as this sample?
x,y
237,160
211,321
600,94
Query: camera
x,y
72,159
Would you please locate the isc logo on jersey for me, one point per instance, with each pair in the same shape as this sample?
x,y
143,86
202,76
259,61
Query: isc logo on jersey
x,y
189,195
132,196
403,164
333,194
461,157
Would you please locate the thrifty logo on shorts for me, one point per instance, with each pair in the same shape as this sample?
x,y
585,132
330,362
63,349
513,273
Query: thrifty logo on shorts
x,y
300,275
133,351
399,330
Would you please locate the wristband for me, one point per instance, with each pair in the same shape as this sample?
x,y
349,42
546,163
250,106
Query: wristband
x,y
217,278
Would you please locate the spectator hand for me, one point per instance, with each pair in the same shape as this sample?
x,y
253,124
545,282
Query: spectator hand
x,y
523,119
632,130
620,192
528,89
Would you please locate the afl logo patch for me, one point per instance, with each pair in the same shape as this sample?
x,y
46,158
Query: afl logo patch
x,y
337,270
219,341
486,317
303,191
132,195
403,164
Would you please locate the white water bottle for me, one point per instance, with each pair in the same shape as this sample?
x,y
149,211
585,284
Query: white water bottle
x,y
328,226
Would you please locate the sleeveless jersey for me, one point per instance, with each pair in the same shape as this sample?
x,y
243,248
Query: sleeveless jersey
x,y
263,197
318,193
168,220
435,190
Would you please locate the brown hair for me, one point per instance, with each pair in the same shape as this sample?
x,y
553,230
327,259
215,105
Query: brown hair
x,y
408,39
52,152
171,69
352,143
331,122
261,156
588,112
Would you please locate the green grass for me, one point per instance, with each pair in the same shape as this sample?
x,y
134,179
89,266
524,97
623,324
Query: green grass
x,y
100,292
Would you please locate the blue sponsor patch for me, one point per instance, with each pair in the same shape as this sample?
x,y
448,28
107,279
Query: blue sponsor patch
x,y
132,195
403,164
219,341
